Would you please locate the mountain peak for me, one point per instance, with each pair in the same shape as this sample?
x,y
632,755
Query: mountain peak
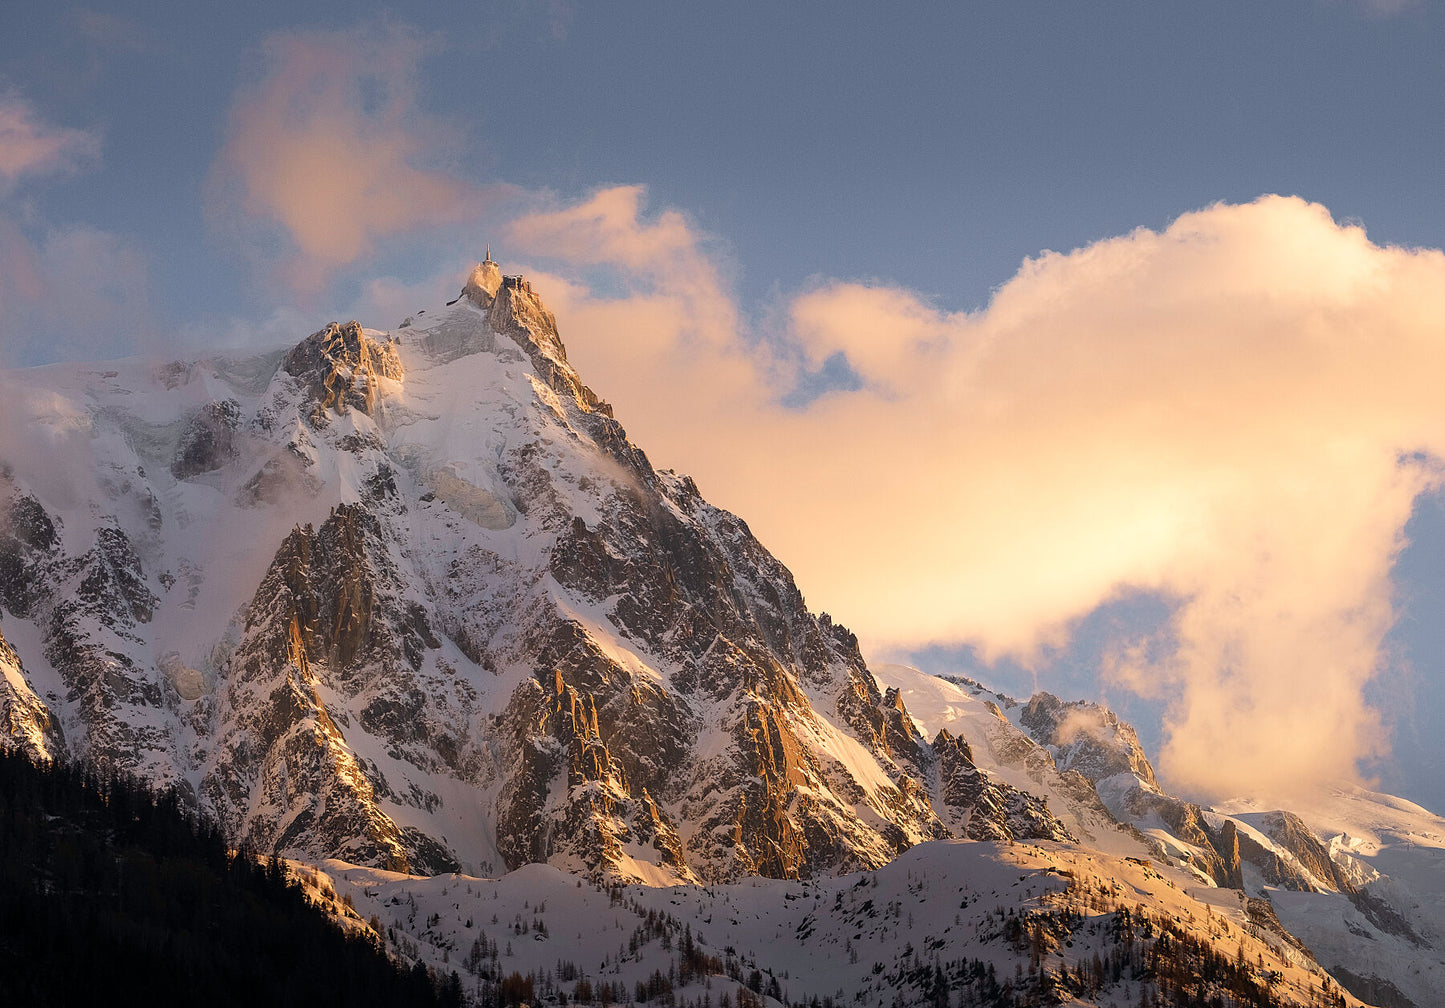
x,y
483,282
340,365
514,310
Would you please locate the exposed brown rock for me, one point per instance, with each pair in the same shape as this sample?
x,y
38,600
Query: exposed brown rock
x,y
326,608
1290,832
339,366
1227,842
1089,738
518,313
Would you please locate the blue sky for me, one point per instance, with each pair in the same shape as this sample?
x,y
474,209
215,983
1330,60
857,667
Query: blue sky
x,y
934,145
731,192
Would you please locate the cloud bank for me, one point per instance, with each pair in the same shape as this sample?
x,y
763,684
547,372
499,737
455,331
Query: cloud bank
x,y
1237,412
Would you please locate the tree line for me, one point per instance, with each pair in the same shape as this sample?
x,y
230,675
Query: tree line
x,y
112,891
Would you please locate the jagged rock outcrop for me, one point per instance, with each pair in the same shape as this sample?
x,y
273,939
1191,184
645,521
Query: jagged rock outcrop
x,y
1086,737
89,610
94,613
984,809
328,616
208,442
1226,842
516,312
339,367
28,539
1290,832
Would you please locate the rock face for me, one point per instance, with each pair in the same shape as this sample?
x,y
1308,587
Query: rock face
x,y
1088,738
27,538
208,442
417,601
989,809
339,368
1290,832
25,720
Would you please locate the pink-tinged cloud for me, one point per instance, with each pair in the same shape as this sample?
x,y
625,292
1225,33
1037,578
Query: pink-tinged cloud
x,y
328,151
1237,412
677,328
29,146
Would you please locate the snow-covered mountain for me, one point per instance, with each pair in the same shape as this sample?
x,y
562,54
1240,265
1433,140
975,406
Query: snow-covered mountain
x,y
414,602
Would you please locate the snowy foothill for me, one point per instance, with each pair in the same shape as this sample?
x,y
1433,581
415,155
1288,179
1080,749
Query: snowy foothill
x,y
943,908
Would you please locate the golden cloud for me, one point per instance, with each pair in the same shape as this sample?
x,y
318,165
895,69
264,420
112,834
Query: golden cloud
x,y
1237,411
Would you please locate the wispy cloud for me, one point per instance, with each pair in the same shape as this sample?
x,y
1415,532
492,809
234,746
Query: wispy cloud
x,y
31,147
1236,412
64,290
327,151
